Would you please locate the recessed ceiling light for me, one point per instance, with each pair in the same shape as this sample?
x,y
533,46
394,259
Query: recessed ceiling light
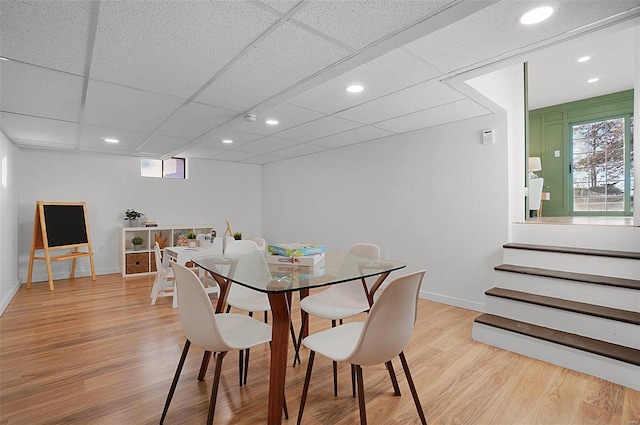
x,y
112,140
592,80
584,59
271,122
227,141
536,15
355,88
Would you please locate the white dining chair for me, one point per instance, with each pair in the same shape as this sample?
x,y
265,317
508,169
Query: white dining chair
x,y
219,333
380,338
339,301
164,283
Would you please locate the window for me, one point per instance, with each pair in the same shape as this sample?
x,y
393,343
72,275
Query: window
x,y
602,175
173,168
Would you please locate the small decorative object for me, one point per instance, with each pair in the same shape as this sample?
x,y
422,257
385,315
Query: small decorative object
x,y
133,216
161,242
181,239
191,239
137,243
237,236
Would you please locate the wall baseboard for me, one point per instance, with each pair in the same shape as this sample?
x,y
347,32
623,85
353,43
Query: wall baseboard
x,y
12,293
457,302
42,277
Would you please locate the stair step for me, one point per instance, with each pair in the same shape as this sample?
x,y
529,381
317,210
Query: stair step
x,y
606,349
580,277
569,250
567,305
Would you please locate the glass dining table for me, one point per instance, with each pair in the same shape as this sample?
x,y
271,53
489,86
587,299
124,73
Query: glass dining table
x,y
279,281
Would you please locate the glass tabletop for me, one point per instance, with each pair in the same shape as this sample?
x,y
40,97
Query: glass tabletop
x,y
253,271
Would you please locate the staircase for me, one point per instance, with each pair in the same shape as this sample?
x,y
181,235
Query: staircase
x,y
573,306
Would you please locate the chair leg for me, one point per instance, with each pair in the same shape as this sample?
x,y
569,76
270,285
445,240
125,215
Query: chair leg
x,y
299,342
174,384
335,369
204,365
240,365
246,365
394,380
414,393
361,405
214,389
353,380
305,388
174,304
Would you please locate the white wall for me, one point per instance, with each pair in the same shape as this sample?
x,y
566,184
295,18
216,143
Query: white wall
x,y
436,198
9,281
111,184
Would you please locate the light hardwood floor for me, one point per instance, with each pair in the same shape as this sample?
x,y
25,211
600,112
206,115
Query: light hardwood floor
x,y
98,353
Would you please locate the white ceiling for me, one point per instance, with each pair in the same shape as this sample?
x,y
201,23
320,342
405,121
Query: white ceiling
x,y
175,77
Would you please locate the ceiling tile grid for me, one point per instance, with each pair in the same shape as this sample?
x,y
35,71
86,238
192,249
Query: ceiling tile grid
x,y
172,47
92,138
391,72
110,105
52,34
195,119
266,145
27,128
282,59
350,137
31,90
319,128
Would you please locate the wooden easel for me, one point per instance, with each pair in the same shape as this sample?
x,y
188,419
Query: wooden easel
x,y
60,225
229,231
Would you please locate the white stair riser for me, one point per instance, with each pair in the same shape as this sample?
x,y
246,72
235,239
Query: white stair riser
x,y
602,367
588,264
615,238
604,295
616,332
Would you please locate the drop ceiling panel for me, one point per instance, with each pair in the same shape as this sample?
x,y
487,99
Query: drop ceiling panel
x,y
391,72
214,139
235,156
358,23
197,152
52,132
283,58
494,31
299,150
455,111
161,145
31,90
316,129
282,6
262,159
421,96
92,137
288,116
47,33
266,145
195,119
172,47
110,105
350,137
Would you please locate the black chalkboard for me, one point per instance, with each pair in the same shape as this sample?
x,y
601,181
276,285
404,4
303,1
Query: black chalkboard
x,y
65,225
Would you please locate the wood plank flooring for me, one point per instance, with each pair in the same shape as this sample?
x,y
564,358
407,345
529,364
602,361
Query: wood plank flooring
x,y
98,353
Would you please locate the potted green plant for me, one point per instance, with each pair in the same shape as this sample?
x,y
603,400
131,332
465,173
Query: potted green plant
x,y
237,236
133,216
137,243
191,239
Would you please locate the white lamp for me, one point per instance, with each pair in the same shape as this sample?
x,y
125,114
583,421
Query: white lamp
x,y
535,164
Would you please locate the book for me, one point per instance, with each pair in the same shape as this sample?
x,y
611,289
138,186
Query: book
x,y
295,249
306,260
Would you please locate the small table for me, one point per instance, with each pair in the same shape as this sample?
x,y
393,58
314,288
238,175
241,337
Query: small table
x,y
545,196
279,282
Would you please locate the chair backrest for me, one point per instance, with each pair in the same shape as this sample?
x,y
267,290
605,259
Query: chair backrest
x,y
241,246
389,324
535,193
197,317
159,266
367,250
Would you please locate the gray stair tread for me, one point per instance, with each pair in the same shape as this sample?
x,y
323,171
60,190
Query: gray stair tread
x,y
606,349
574,306
580,277
569,250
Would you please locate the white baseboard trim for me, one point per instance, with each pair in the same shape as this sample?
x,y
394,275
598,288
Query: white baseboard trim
x,y
457,302
9,297
42,277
